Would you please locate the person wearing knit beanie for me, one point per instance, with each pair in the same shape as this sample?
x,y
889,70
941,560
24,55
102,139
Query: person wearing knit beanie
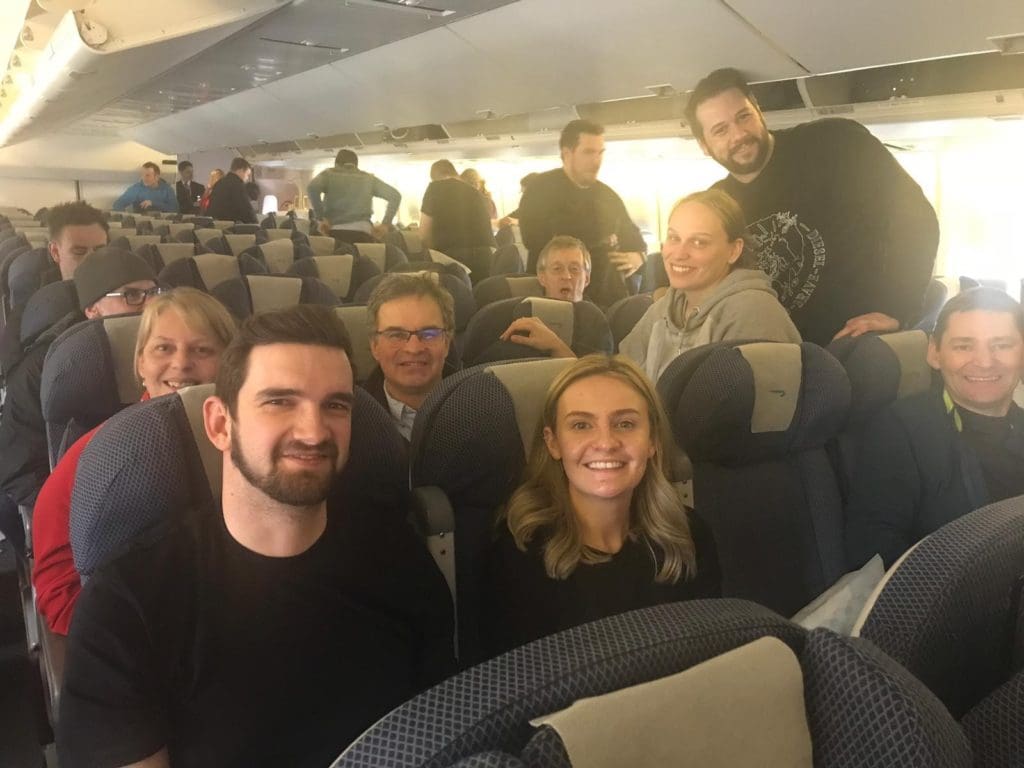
x,y
113,281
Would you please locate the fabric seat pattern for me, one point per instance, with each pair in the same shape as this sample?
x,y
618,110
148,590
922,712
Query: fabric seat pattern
x,y
946,612
769,495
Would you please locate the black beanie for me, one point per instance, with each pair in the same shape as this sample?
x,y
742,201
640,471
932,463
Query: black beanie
x,y
107,269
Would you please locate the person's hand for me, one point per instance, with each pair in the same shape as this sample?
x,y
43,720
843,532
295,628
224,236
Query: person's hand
x,y
380,230
872,321
146,205
324,227
627,262
531,332
506,221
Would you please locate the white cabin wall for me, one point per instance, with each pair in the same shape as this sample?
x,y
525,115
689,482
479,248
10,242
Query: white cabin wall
x,y
41,172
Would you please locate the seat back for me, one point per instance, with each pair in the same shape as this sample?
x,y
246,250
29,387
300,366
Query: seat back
x,y
408,240
276,255
135,241
881,370
45,307
501,287
276,233
239,242
385,255
948,610
27,272
581,325
754,419
624,314
676,678
152,463
206,271
321,245
89,375
469,443
509,260
335,271
249,294
934,297
356,323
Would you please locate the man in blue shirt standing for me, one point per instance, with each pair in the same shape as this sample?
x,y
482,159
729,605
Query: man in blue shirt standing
x,y
342,196
150,193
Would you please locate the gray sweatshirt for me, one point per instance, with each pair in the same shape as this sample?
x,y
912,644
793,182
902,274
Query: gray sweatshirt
x,y
743,306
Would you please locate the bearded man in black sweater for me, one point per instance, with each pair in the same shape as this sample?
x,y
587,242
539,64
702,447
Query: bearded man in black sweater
x,y
844,232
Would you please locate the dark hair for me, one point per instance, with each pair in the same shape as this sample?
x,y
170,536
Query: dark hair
x,y
398,285
184,164
153,167
985,299
346,157
307,324
719,81
574,128
77,214
443,169
238,164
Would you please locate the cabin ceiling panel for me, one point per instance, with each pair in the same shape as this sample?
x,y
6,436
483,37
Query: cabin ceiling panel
x,y
851,35
589,51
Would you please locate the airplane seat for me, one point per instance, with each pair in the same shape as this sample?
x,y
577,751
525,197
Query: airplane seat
x,y
152,464
172,229
993,726
276,255
468,450
407,240
449,267
477,260
754,419
134,242
465,305
325,246
625,313
206,271
278,233
301,226
881,370
159,255
223,224
332,270
386,256
713,683
506,235
352,236
45,307
249,294
89,375
502,287
581,325
353,316
27,274
508,260
950,609
335,271
248,229
934,297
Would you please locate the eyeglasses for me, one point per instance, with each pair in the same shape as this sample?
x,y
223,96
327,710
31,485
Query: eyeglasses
x,y
401,336
133,297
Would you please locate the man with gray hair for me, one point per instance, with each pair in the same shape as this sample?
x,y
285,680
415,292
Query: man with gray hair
x,y
563,268
412,319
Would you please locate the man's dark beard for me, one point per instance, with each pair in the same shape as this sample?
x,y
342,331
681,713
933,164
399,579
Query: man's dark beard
x,y
741,169
296,489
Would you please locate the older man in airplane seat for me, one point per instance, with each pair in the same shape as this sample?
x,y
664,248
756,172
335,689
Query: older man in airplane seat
x,y
150,193
846,235
571,201
930,458
563,268
265,632
342,197
109,281
412,318
230,199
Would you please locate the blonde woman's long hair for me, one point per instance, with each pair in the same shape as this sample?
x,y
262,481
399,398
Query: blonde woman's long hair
x,y
542,506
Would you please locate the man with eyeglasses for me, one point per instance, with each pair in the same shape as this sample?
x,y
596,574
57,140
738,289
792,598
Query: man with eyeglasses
x,y
109,281
563,268
411,320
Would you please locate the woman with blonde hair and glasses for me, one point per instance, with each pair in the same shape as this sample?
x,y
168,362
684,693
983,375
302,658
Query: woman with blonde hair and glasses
x,y
597,527
181,336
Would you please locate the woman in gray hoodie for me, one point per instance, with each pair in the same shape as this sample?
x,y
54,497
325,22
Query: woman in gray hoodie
x,y
715,294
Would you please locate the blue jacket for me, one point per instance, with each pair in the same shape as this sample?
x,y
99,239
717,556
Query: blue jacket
x,y
344,195
162,197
